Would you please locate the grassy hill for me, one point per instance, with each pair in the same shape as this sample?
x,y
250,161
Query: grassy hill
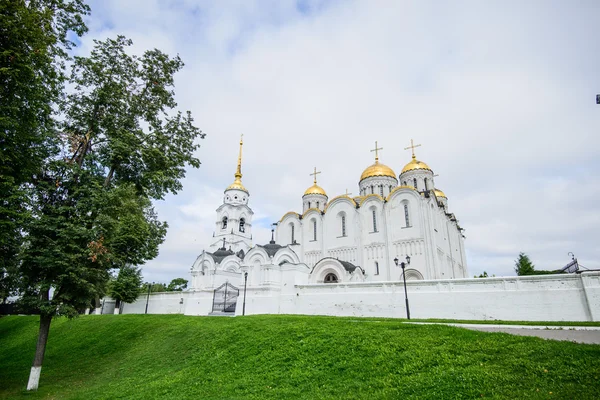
x,y
287,357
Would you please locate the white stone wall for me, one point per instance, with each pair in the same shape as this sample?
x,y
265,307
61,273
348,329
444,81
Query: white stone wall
x,y
158,303
570,297
533,298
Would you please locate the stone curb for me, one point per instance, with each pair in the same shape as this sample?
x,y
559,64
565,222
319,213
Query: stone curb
x,y
540,327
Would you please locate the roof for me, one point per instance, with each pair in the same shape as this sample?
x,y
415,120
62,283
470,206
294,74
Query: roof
x,y
271,248
220,254
348,266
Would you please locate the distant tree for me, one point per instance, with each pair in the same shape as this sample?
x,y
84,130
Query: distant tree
x,y
127,286
483,275
177,285
154,287
524,266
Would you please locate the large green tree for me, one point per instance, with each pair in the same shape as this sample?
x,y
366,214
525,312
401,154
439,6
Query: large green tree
x,y
122,144
34,43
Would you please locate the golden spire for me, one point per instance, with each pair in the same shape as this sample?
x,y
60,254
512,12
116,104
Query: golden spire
x,y
238,172
412,147
237,183
376,149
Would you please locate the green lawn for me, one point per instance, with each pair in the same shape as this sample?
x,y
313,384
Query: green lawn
x,y
288,357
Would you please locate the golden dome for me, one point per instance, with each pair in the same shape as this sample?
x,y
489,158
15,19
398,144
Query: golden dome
x,y
315,189
377,169
415,164
237,185
439,193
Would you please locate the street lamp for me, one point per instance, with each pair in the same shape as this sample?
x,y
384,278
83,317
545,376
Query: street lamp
x,y
403,265
148,296
245,282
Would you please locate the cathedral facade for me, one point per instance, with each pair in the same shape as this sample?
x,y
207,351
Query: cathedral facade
x,y
397,224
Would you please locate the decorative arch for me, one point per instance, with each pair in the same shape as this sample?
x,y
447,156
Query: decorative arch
x,y
257,255
328,266
285,254
413,275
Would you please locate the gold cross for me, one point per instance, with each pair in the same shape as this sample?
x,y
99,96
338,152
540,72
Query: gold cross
x,y
412,147
315,175
376,151
348,194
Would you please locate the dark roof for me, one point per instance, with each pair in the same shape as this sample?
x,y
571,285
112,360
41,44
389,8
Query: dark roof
x,y
348,265
271,248
220,254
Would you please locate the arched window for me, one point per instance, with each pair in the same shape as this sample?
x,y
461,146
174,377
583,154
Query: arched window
x,y
242,225
406,219
425,180
293,239
381,190
376,268
404,183
372,191
343,225
330,278
224,223
415,183
314,229
390,189
317,204
374,220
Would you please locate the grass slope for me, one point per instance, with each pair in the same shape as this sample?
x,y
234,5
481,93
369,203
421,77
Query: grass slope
x,y
287,357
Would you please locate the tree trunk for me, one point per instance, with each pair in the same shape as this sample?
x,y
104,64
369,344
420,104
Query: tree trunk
x,y
36,369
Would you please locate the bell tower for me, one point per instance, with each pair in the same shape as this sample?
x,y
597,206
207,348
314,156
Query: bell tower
x,y
233,228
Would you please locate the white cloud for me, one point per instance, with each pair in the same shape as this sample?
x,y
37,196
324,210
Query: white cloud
x,y
500,94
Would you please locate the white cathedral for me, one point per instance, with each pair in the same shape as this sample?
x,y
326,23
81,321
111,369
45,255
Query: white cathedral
x,y
397,224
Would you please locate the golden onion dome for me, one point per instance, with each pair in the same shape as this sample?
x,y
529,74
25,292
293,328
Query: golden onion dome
x,y
315,189
237,185
439,193
377,169
415,164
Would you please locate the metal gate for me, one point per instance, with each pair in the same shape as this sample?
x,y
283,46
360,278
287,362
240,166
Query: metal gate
x,y
225,298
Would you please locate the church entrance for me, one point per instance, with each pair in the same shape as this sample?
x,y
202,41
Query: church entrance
x,y
225,298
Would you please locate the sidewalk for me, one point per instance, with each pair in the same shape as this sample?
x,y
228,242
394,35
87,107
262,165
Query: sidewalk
x,y
578,334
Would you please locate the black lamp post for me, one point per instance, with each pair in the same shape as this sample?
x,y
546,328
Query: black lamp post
x,y
148,296
403,265
245,282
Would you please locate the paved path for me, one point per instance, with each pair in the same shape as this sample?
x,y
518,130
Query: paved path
x,y
579,334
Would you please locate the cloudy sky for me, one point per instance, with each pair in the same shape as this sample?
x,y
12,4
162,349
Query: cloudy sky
x,y
501,95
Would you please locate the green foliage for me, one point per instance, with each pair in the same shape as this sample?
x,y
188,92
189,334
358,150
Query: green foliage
x,y
126,287
92,209
524,266
33,45
154,287
483,275
289,357
177,285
